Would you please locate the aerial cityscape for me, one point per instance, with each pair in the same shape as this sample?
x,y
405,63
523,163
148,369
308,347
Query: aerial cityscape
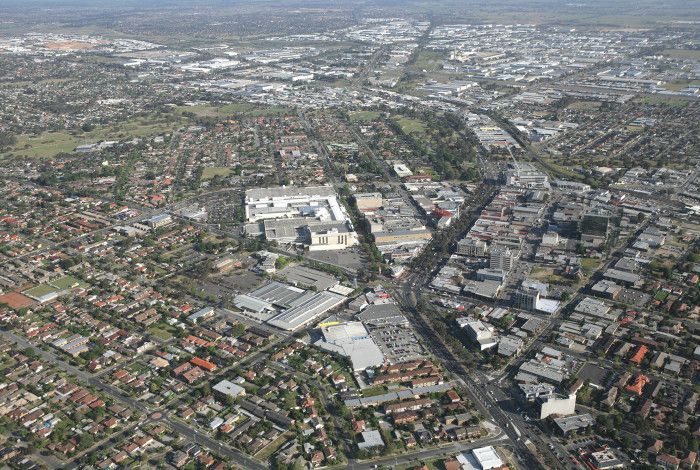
x,y
304,234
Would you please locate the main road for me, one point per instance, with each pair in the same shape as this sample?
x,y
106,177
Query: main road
x,y
408,294
483,391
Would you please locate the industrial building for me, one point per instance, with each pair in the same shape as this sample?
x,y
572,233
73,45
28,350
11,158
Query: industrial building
x,y
401,170
351,340
532,391
485,289
286,307
303,276
330,237
605,459
383,314
289,202
280,295
371,440
306,312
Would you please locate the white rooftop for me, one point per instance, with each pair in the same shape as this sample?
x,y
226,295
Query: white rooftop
x,y
487,457
228,388
352,340
371,439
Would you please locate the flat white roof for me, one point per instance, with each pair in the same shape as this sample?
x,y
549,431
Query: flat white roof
x,y
352,340
371,439
487,457
547,305
289,191
229,388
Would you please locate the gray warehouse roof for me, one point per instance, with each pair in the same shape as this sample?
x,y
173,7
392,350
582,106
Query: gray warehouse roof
x,y
572,423
382,314
278,294
301,275
296,317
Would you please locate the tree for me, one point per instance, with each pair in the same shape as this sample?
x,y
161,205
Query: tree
x,y
237,330
412,299
299,464
626,442
388,442
584,394
7,139
86,440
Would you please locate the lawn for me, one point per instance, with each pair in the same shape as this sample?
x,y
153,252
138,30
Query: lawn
x,y
589,265
667,100
548,165
374,391
428,60
274,111
212,171
364,116
40,290
250,388
410,125
160,333
243,109
661,295
272,447
290,400
677,85
254,110
540,270
202,110
682,53
48,144
432,464
584,105
67,282
429,171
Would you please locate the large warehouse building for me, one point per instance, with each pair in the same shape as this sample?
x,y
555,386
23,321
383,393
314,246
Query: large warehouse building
x,y
352,340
